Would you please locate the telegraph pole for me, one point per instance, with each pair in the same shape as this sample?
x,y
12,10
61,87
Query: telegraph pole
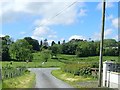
x,y
101,44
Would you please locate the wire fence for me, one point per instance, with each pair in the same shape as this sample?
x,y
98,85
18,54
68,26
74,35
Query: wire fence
x,y
10,72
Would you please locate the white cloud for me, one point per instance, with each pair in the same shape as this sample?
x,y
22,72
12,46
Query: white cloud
x,y
13,10
107,34
108,5
116,37
83,12
115,22
64,16
41,33
1,35
52,36
77,37
50,41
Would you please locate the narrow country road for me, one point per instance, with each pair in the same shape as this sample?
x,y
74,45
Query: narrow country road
x,y
44,79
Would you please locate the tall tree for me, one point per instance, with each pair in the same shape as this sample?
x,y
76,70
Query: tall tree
x,y
53,42
41,43
6,42
33,42
45,44
55,49
21,50
58,42
45,54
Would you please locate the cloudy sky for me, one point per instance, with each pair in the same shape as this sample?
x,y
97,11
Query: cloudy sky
x,y
57,21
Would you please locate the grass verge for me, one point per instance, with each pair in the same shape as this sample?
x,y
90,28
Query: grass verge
x,y
71,79
25,81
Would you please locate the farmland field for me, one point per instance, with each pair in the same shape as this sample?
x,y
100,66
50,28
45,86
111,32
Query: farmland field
x,y
62,59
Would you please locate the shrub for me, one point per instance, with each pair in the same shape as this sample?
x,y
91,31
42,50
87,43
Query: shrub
x,y
78,69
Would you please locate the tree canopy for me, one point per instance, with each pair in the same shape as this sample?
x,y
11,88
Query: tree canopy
x,y
33,42
21,50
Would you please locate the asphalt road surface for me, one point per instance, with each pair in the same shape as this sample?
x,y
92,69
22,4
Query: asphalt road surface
x,y
44,79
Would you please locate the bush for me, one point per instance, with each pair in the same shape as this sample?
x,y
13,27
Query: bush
x,y
78,69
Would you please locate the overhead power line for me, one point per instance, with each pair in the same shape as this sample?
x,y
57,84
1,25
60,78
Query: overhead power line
x,y
60,12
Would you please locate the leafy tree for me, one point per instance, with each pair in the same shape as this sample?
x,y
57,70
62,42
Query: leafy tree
x,y
45,44
33,42
55,49
46,54
110,43
6,41
58,42
111,52
82,49
92,49
21,50
52,43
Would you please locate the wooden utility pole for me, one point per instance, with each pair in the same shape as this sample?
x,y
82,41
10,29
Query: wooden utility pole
x,y
101,44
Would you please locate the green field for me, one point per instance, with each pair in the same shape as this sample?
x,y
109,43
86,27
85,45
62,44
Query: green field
x,y
62,59
34,64
73,58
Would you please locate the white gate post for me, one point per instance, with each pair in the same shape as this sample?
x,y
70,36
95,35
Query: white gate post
x,y
104,73
106,67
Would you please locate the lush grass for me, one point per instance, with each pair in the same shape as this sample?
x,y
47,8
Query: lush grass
x,y
70,78
25,81
75,59
62,59
34,64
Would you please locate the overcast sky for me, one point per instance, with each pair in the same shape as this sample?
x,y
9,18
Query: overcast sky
x,y
57,21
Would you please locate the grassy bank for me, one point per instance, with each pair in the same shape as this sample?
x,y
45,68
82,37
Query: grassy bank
x,y
25,81
71,79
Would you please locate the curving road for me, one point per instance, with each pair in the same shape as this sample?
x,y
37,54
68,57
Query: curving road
x,y
44,79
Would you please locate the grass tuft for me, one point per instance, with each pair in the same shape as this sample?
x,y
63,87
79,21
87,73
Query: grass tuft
x,y
25,81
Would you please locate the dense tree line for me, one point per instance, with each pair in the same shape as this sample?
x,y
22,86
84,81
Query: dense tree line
x,y
22,49
83,48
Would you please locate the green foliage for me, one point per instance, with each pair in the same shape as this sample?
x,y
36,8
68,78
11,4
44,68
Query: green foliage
x,y
46,54
33,42
4,50
21,50
55,49
78,69
69,48
45,44
52,43
110,43
82,49
111,51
